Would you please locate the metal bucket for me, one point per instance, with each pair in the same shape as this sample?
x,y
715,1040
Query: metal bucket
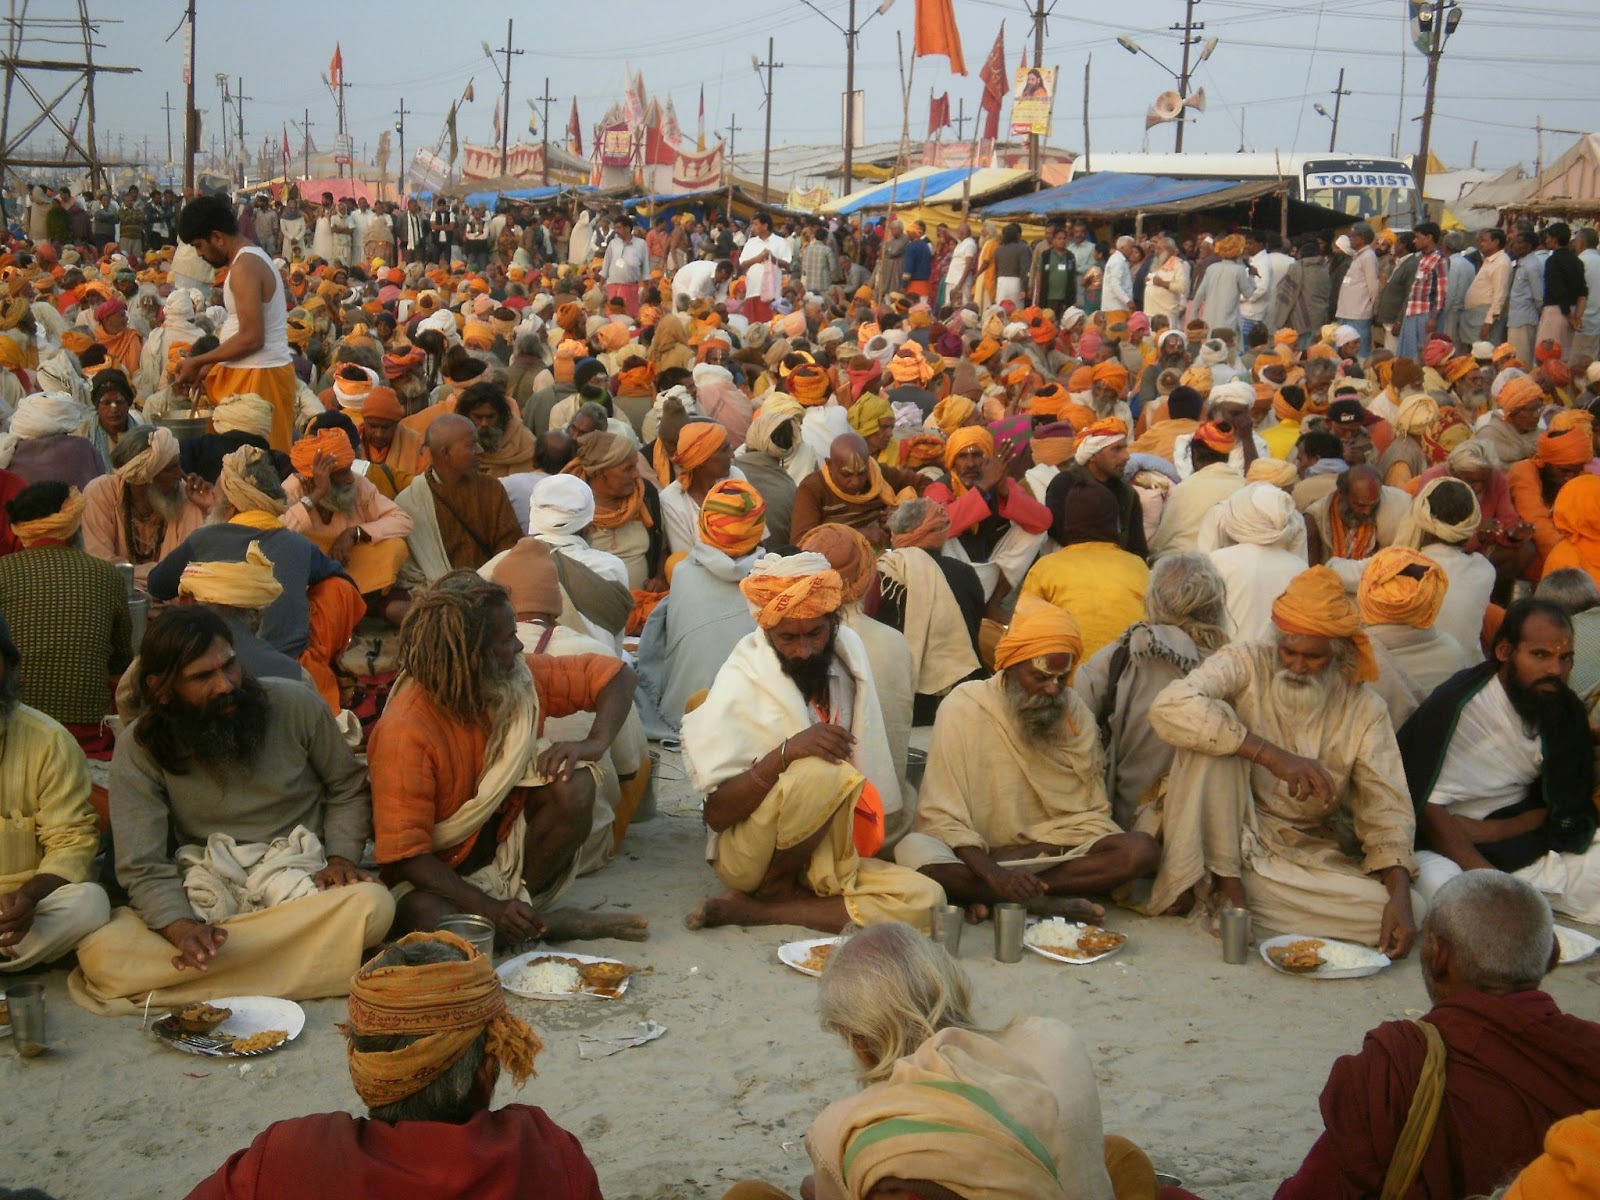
x,y
473,928
185,428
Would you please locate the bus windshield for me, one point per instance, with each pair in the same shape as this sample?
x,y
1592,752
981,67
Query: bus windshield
x,y
1362,188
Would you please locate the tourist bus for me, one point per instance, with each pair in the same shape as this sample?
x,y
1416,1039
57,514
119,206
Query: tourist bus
x,y
1380,190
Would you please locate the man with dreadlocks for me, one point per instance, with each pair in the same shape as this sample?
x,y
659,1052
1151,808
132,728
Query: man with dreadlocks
x,y
473,809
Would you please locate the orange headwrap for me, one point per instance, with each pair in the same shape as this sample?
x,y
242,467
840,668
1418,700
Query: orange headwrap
x,y
803,597
1081,379
1456,369
909,367
1043,330
1038,629
1571,446
1387,597
611,336
1282,409
303,454
1016,372
75,340
951,413
1218,436
809,384
446,1007
1315,605
965,438
59,526
1111,372
733,518
1518,393
849,553
477,335
984,350
1569,1168
697,442
382,403
1047,401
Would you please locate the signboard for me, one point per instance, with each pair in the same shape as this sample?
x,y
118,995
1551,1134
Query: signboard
x,y
1332,173
1032,96
616,145
858,136
483,162
341,148
188,50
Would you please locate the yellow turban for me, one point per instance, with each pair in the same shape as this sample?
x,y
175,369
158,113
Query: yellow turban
x,y
953,412
809,384
1198,378
1038,628
1315,605
247,584
802,586
1272,470
733,518
1113,373
868,414
964,439
697,442
238,491
1388,597
244,413
446,1006
59,526
1519,392
159,453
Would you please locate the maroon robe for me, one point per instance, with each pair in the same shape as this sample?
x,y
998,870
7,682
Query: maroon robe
x,y
512,1153
1515,1065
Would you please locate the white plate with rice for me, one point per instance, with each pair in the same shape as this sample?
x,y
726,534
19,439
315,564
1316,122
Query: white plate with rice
x,y
1340,960
804,956
1575,946
550,975
1057,938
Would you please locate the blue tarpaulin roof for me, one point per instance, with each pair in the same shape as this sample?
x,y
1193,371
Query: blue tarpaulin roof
x,y
905,191
1109,192
485,199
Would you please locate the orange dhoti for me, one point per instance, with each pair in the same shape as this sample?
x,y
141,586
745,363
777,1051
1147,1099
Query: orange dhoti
x,y
336,609
278,386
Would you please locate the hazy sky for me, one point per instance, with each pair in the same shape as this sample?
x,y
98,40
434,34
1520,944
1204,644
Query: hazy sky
x,y
1510,62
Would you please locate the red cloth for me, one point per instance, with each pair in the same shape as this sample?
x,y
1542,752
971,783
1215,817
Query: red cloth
x,y
1495,503
10,485
514,1153
1516,1065
1016,505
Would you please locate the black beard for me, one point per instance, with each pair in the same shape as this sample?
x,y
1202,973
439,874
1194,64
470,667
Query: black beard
x,y
10,692
490,437
1536,707
216,739
1039,715
810,675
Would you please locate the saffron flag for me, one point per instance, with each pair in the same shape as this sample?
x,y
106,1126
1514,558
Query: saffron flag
x,y
995,84
469,95
575,131
497,121
700,135
533,119
336,66
938,113
286,152
936,33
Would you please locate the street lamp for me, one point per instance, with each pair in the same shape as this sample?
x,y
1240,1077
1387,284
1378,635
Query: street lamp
x,y
851,31
1180,77
1435,25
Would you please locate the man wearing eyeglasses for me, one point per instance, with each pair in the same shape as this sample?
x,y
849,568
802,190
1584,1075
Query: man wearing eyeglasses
x,y
1015,773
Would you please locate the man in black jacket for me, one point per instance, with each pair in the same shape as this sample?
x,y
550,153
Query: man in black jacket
x,y
1500,764
1566,291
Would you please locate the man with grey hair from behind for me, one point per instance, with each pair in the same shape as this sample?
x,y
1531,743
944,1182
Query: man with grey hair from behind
x,y
1454,1104
947,1110
1573,590
429,1035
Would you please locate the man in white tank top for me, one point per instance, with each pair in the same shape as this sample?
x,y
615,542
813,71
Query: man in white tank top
x,y
254,355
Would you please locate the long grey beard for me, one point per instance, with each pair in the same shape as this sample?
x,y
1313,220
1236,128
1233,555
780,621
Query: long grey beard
x,y
507,688
490,437
1299,699
167,505
341,497
1039,716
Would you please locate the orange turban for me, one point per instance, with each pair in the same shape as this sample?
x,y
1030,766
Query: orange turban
x,y
1043,330
1387,597
1017,371
697,442
849,553
383,403
1229,247
477,335
809,384
303,454
801,586
58,526
1038,628
1111,372
1218,435
1456,369
909,367
964,439
1081,379
733,518
984,350
1097,436
1518,393
1315,605
1285,337
446,1007
1047,401
75,340
1569,1168
1281,407
611,336
1569,447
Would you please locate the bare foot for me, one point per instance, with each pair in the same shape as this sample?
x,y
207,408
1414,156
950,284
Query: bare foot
x,y
1182,906
577,924
1071,907
714,911
977,913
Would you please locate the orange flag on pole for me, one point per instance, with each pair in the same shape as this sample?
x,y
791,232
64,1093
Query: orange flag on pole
x,y
336,66
936,33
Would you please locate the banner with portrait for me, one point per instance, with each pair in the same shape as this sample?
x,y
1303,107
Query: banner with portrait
x,y
616,145
1032,97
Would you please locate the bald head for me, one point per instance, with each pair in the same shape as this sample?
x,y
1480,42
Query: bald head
x,y
452,442
846,447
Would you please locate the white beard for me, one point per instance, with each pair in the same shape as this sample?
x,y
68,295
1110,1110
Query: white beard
x,y
1301,698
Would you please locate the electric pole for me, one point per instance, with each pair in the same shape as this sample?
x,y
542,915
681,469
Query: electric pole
x,y
227,125
1439,29
727,159
961,118
305,147
505,106
168,107
1038,60
1188,29
400,128
766,149
547,100
239,98
1339,94
191,119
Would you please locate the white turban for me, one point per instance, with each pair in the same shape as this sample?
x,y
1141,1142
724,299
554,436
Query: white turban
x,y
61,373
244,413
561,507
1088,447
1344,335
442,322
1213,353
1072,316
1343,246
1238,391
1473,455
40,415
1483,352
1420,520
1260,514
351,394
159,453
1014,332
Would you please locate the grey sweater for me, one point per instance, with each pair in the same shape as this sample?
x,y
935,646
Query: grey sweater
x,y
303,775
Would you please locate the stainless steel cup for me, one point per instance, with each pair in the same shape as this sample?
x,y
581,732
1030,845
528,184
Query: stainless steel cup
x,y
26,1002
1235,935
946,921
1010,920
473,928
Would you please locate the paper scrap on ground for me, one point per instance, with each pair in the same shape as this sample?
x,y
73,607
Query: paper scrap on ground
x,y
602,1046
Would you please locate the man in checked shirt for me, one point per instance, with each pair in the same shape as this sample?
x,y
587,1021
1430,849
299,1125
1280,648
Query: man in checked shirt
x,y
1425,304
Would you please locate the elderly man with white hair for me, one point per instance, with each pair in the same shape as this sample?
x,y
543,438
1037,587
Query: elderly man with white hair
x,y
144,508
1116,287
1256,539
45,444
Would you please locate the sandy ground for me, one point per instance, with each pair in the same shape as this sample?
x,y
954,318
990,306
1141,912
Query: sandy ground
x,y
1214,1069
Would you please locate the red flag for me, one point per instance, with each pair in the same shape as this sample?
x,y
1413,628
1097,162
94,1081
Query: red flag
x,y
575,131
995,84
336,66
286,152
936,33
938,114
700,132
